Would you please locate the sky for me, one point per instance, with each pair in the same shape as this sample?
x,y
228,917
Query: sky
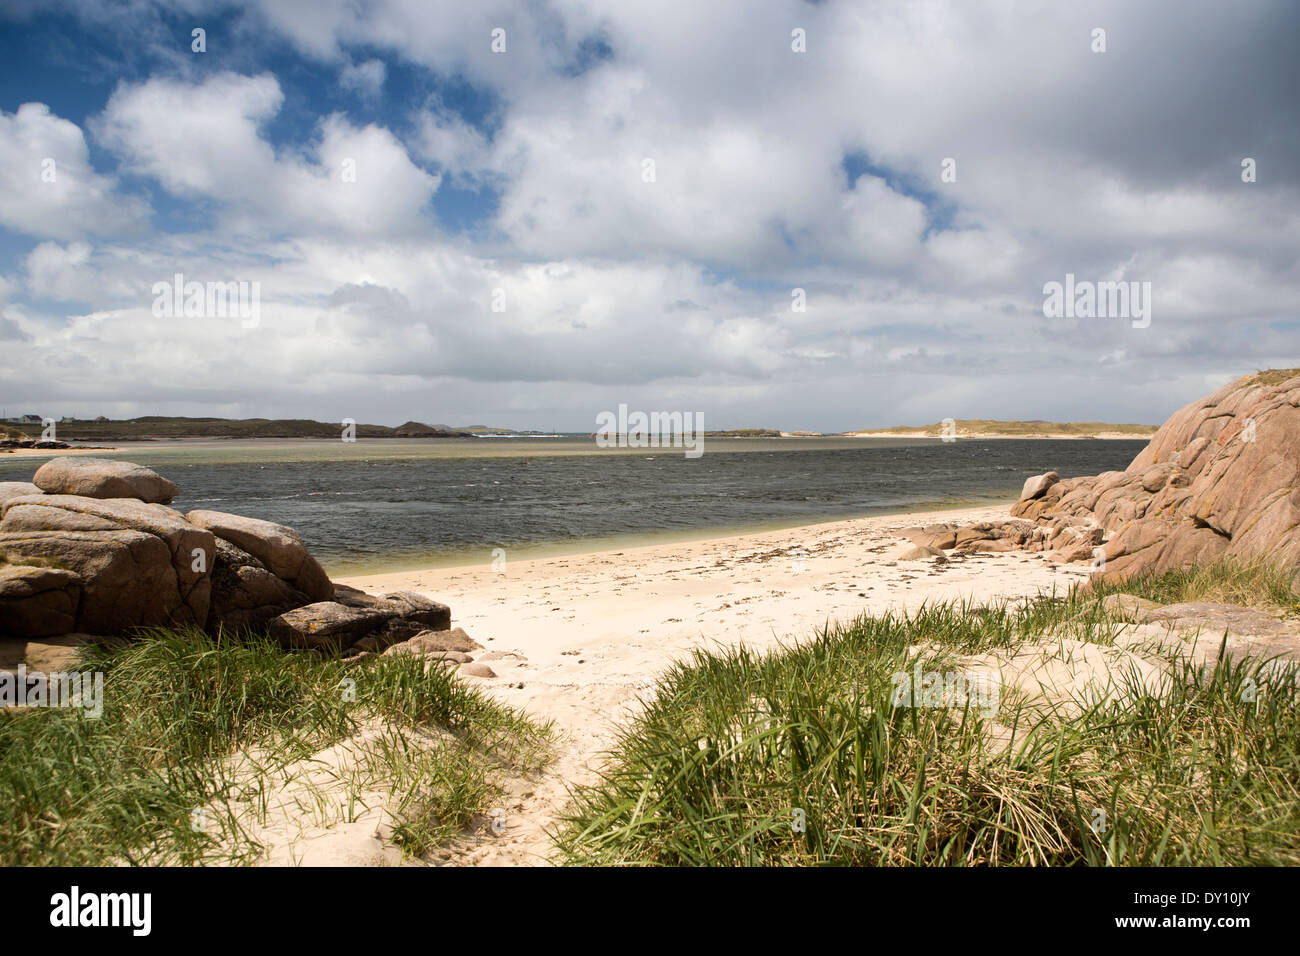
x,y
785,214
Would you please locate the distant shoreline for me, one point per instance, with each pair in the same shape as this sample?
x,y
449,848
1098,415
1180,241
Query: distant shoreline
x,y
177,429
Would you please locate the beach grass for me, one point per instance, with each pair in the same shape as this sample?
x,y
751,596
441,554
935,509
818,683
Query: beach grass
x,y
196,732
802,757
1273,376
1257,584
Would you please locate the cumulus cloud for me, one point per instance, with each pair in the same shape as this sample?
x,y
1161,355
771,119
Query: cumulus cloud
x,y
49,188
205,140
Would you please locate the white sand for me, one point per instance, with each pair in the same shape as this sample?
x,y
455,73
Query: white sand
x,y
593,631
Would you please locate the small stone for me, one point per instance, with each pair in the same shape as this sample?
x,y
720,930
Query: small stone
x,y
1037,486
454,639
920,553
459,657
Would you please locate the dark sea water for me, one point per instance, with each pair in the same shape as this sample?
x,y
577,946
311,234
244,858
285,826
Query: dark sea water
x,y
381,506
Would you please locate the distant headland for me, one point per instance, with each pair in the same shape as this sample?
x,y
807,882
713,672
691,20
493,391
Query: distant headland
x,y
985,428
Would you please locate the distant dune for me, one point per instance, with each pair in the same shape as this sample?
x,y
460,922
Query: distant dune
x,y
986,428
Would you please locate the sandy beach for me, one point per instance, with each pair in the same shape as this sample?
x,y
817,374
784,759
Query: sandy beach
x,y
578,638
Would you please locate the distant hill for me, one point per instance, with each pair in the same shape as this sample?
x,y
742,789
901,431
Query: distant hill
x,y
157,428
485,430
989,428
419,430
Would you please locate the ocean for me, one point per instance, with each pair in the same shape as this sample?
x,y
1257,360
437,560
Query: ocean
x,y
394,505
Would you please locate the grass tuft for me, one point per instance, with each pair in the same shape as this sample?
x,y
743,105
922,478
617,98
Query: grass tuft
x,y
1274,376
178,708
1256,584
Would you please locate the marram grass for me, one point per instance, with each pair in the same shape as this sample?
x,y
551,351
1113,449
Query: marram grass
x,y
799,757
125,788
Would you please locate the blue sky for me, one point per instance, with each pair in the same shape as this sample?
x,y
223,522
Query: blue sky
x,y
502,254
73,67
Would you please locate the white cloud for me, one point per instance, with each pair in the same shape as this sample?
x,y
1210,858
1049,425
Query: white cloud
x,y
196,140
977,256
460,149
62,272
49,189
205,141
365,79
